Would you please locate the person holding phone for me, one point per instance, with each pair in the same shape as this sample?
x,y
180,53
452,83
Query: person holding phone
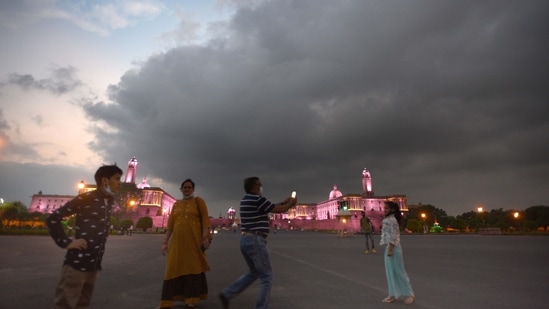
x,y
85,252
254,214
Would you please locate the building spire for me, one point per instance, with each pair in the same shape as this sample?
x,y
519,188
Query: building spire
x,y
367,183
132,171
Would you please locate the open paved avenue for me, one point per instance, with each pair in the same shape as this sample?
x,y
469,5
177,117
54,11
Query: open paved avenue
x,y
312,270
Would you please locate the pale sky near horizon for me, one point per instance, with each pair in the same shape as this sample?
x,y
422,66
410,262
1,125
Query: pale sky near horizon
x,y
443,101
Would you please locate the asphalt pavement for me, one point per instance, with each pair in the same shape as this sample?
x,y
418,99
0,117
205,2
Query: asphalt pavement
x,y
312,270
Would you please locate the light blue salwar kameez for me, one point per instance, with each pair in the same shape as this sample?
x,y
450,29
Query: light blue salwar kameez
x,y
397,278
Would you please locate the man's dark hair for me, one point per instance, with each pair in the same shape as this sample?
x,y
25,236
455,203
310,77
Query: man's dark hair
x,y
249,183
106,171
187,180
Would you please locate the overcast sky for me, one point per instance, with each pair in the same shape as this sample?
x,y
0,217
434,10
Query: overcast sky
x,y
443,101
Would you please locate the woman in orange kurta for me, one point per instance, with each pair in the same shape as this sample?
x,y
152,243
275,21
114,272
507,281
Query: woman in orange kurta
x,y
185,242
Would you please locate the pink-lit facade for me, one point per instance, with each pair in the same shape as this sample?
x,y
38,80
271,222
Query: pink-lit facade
x,y
327,210
154,202
48,203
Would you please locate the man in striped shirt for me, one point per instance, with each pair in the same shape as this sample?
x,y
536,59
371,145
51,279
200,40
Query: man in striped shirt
x,y
254,214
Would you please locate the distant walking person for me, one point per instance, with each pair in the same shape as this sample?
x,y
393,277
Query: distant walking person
x,y
254,211
84,254
187,237
397,278
366,226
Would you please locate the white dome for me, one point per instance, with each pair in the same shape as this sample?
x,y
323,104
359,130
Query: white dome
x,y
143,184
335,193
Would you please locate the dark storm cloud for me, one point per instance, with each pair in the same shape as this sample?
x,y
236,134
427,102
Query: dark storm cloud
x,y
62,80
444,101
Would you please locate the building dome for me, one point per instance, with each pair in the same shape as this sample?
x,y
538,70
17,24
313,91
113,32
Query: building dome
x,y
143,184
231,213
335,193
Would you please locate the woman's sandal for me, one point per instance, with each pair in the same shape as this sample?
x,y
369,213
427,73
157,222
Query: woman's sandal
x,y
409,300
389,299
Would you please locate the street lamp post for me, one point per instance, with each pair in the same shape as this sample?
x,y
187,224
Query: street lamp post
x,y
480,210
81,186
424,224
516,216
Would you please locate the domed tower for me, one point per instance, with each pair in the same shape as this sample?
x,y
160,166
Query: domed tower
x,y
367,183
143,184
231,213
132,170
335,193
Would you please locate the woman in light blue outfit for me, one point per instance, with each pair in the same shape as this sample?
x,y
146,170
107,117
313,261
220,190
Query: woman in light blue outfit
x,y
397,278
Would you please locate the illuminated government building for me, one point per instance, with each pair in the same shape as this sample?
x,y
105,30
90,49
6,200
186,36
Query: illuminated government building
x,y
326,215
156,203
146,201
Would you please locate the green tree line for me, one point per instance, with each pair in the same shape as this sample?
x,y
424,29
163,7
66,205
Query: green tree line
x,y
532,218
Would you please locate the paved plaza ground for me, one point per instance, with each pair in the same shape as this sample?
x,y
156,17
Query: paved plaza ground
x,y
312,270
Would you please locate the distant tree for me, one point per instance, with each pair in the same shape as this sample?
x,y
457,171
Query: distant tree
x,y
126,223
529,225
414,225
127,198
458,224
113,221
24,218
431,214
10,213
538,214
144,223
36,217
497,218
14,211
471,218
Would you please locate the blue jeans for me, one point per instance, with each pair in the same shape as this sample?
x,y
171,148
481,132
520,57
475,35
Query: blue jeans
x,y
255,252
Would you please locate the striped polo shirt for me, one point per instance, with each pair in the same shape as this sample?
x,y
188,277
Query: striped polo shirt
x,y
254,213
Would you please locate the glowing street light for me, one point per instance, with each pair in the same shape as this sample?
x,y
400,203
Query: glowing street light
x,y
480,210
423,216
516,216
130,208
81,185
